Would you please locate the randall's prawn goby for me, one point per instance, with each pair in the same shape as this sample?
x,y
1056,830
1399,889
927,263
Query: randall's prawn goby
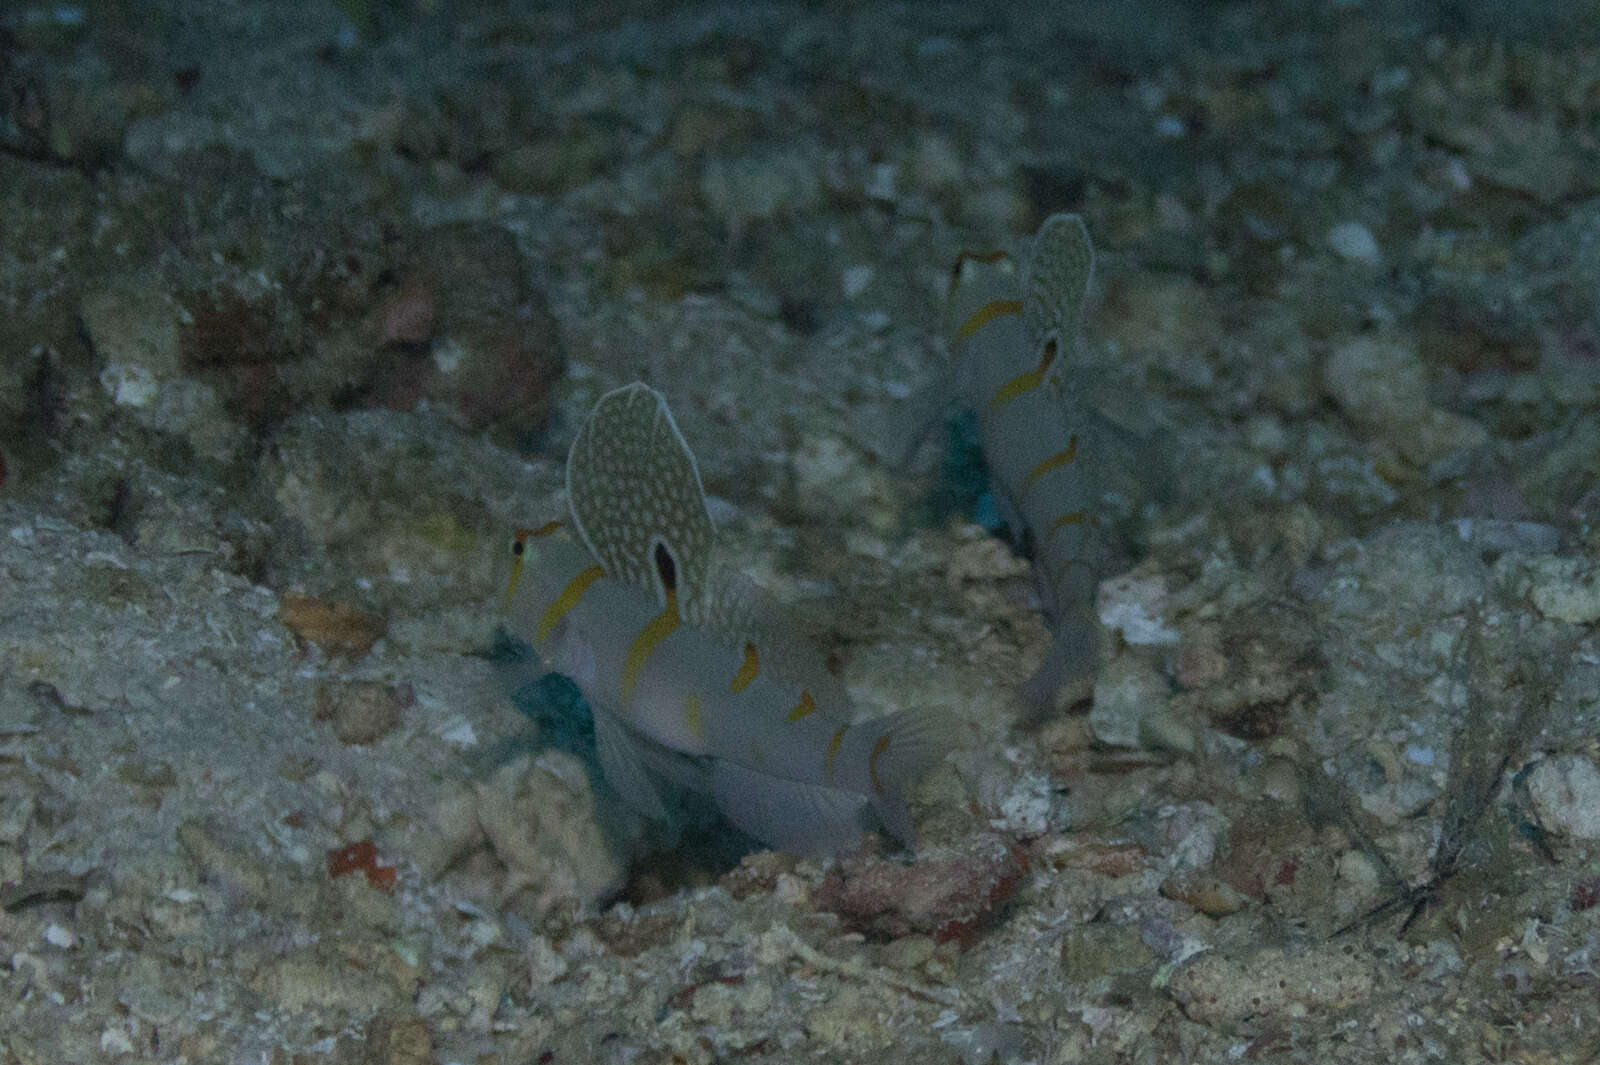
x,y
688,684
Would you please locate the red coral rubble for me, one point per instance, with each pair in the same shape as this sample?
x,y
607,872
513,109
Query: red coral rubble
x,y
361,856
949,899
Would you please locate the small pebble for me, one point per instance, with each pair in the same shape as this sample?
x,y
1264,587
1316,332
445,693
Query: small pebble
x,y
407,316
1354,242
1563,589
115,1041
1565,792
907,952
337,628
1270,985
362,711
1209,895
397,1039
950,899
856,279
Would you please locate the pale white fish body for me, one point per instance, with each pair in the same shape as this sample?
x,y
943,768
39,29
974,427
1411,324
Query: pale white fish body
x,y
678,687
1017,333
590,640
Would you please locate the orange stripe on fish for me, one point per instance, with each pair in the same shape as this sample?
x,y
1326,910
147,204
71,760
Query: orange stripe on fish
x,y
986,314
1060,458
872,763
1025,382
544,530
1075,517
966,257
807,705
832,752
566,601
659,628
747,672
693,718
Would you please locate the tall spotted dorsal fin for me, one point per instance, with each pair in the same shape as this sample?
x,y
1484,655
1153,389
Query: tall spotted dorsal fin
x,y
1055,282
636,498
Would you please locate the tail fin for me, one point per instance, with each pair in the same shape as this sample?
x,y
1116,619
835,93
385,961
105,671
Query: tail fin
x,y
1074,653
816,819
813,820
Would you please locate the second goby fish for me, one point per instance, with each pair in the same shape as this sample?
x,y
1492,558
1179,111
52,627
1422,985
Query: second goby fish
x,y
1016,335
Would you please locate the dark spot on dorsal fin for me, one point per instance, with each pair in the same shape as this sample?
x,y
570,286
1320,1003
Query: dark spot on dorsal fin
x,y
666,566
988,257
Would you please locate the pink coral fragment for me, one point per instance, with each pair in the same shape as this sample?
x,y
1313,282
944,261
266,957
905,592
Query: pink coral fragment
x,y
949,899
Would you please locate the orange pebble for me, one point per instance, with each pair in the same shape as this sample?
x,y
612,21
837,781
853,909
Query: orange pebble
x,y
337,628
344,860
362,856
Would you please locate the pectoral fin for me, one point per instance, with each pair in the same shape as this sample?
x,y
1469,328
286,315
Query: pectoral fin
x,y
1073,655
912,424
807,819
623,766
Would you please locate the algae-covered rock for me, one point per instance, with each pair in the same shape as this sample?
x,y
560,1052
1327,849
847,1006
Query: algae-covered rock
x,y
1167,318
747,188
1098,952
555,161
1381,385
133,325
361,711
1127,692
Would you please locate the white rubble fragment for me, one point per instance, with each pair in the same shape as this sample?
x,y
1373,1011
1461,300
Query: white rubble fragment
x,y
881,182
856,279
115,1041
1132,604
1498,534
129,385
1354,242
1563,589
539,816
1025,811
1565,792
459,733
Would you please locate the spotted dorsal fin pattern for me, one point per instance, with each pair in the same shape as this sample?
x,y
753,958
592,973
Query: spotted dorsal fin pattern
x,y
637,503
1055,282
